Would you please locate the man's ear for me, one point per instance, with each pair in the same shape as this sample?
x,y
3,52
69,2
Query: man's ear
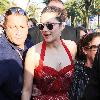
x,y
4,25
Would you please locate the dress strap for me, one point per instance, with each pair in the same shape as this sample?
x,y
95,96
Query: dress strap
x,y
43,49
42,54
68,52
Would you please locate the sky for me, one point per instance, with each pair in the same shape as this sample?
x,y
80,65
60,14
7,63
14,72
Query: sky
x,y
38,1
42,1
23,3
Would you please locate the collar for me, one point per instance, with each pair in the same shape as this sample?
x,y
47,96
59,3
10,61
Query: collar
x,y
13,46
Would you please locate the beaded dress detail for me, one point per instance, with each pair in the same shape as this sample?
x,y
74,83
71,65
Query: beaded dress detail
x,y
53,84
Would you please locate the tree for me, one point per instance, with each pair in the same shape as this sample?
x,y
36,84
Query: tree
x,y
46,1
4,5
71,8
82,9
33,10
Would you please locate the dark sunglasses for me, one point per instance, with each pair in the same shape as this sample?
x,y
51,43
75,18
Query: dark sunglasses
x,y
92,47
48,25
15,10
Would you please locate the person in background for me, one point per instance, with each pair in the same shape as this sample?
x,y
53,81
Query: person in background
x,y
87,49
50,63
68,33
92,92
13,46
56,3
80,32
34,33
31,22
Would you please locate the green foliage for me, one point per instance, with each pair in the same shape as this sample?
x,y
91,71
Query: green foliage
x,y
4,5
46,1
32,11
82,9
96,9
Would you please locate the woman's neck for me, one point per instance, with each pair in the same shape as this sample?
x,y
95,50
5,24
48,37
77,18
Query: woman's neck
x,y
54,44
89,63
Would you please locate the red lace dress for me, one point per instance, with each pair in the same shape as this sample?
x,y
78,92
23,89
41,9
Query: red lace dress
x,y
53,84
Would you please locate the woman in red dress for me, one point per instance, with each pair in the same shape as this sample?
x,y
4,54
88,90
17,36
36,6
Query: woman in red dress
x,y
49,64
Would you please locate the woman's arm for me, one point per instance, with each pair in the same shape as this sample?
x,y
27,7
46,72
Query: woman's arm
x,y
73,49
28,74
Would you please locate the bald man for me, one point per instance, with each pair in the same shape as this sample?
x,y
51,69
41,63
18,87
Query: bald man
x,y
57,3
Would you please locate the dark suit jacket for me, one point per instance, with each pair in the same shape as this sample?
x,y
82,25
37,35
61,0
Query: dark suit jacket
x,y
35,35
11,70
69,33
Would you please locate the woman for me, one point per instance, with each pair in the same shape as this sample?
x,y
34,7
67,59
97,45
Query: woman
x,y
49,63
87,49
92,92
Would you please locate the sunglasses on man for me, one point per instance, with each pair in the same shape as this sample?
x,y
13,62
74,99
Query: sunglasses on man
x,y
15,10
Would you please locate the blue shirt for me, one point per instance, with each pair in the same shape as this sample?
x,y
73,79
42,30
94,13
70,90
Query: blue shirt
x,y
11,69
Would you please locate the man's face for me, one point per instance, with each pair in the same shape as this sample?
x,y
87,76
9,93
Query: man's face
x,y
60,5
16,28
56,4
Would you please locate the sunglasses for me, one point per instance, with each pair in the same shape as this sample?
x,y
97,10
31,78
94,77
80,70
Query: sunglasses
x,y
92,47
15,10
48,25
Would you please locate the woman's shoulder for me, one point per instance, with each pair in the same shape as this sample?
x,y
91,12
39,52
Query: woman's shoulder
x,y
34,52
70,42
71,45
35,48
33,55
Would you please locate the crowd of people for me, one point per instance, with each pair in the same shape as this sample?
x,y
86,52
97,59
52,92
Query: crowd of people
x,y
48,60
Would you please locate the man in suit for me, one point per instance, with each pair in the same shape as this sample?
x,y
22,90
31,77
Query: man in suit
x,y
13,48
34,33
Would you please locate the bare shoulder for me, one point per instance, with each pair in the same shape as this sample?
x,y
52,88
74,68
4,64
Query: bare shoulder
x,y
71,45
38,47
33,55
35,49
31,51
